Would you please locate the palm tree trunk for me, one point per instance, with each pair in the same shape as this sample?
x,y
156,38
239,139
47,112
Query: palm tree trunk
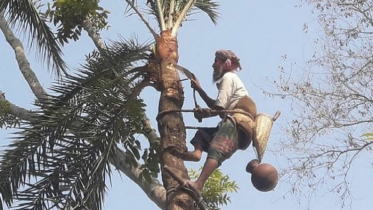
x,y
171,126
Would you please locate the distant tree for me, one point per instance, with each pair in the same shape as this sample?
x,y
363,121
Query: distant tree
x,y
216,189
332,99
368,136
88,122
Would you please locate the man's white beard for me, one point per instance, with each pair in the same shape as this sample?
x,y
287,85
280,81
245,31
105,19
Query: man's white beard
x,y
217,74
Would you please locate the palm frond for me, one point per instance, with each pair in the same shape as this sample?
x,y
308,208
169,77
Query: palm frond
x,y
173,9
179,5
8,120
132,5
25,15
61,157
115,63
210,7
184,8
69,169
152,9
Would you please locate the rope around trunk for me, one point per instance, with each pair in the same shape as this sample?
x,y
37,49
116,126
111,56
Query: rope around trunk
x,y
160,114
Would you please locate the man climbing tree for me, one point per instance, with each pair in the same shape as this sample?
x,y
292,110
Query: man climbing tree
x,y
234,130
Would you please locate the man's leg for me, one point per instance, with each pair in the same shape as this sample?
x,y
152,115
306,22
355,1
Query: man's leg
x,y
222,146
209,167
201,142
194,155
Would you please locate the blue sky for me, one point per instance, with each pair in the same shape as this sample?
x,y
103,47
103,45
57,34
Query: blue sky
x,y
259,32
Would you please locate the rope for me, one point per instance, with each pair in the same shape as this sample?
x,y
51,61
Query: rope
x,y
191,191
196,104
197,127
160,114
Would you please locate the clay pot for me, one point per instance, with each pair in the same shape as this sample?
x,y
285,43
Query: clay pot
x,y
264,176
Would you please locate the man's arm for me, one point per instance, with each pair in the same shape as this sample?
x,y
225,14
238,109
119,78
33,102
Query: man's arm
x,y
207,99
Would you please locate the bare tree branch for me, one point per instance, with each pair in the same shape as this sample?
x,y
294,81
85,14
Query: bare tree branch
x,y
15,110
22,61
154,190
92,32
150,134
331,102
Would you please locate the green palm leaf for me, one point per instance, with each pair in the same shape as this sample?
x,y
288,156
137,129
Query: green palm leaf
x,y
24,14
61,157
210,8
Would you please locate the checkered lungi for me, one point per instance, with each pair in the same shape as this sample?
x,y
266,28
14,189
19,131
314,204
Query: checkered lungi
x,y
221,142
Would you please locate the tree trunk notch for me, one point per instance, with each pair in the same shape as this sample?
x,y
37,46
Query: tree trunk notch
x,y
152,72
167,46
171,126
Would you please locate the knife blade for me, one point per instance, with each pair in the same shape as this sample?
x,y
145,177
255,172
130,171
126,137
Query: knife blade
x,y
185,71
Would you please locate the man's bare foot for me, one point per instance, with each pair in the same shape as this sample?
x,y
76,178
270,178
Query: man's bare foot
x,y
195,187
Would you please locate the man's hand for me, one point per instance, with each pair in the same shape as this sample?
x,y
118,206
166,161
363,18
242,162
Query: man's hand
x,y
200,113
194,83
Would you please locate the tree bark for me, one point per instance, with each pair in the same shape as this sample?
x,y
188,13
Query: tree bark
x,y
23,63
93,34
171,126
15,110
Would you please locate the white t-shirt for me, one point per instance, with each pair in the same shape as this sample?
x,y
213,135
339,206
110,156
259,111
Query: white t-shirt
x,y
231,89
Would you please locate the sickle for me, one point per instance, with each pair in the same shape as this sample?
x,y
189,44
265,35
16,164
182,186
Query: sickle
x,y
190,76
